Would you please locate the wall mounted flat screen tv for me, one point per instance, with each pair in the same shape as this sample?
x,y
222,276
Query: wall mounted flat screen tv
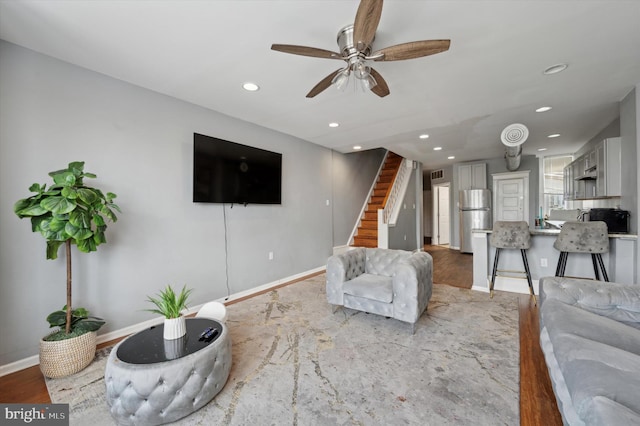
x,y
229,172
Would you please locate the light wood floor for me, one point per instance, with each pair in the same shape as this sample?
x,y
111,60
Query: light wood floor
x,y
537,402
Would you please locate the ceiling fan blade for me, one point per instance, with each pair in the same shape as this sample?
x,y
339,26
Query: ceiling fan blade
x,y
381,89
324,83
366,23
306,51
413,49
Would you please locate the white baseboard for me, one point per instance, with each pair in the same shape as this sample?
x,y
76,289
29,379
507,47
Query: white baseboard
x,y
116,334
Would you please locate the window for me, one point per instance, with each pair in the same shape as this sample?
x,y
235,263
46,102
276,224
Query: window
x,y
553,182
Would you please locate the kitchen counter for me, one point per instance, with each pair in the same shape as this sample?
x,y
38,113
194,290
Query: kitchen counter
x,y
551,231
620,262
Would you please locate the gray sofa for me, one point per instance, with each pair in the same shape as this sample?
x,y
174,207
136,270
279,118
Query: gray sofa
x,y
393,283
590,337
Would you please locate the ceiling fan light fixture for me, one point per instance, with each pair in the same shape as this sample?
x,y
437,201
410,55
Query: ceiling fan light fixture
x,y
368,83
341,80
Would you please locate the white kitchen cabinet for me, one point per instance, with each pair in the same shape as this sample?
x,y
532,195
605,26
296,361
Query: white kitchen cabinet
x,y
568,182
472,176
609,177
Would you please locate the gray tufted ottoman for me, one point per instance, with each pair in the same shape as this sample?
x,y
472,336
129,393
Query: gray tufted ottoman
x,y
163,381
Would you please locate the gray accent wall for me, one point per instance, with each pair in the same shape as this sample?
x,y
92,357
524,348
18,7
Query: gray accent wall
x,y
140,144
402,236
353,175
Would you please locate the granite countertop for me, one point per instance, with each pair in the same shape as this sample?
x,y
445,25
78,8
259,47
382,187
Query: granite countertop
x,y
553,232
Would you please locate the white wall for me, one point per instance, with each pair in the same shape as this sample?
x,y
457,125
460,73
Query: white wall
x,y
140,143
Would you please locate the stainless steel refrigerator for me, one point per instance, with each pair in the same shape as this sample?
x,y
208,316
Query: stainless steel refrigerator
x,y
475,213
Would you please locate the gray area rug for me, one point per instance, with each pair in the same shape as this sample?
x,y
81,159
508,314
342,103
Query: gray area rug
x,y
297,363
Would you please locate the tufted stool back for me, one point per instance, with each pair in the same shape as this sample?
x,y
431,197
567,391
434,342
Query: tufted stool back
x,y
510,235
583,237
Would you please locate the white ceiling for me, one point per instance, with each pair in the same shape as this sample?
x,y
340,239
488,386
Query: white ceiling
x,y
202,52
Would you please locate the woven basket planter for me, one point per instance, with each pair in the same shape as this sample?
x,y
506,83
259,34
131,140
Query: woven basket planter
x,y
65,357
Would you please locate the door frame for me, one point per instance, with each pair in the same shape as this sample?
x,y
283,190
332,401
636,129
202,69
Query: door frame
x,y
435,190
524,175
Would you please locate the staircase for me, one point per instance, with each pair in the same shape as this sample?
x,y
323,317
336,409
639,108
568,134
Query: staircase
x,y
367,235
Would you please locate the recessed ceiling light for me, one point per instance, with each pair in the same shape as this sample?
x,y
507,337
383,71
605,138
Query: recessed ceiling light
x,y
334,124
555,135
543,109
451,157
424,136
356,147
542,149
555,69
250,87
437,148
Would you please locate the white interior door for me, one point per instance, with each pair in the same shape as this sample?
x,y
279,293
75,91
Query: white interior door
x,y
511,196
443,215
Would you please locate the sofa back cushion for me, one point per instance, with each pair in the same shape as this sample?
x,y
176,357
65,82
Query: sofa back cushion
x,y
382,261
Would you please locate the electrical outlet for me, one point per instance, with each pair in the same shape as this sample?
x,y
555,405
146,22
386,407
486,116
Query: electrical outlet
x,y
270,255
543,262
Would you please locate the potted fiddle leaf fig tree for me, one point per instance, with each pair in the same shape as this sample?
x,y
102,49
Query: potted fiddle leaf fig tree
x,y
67,213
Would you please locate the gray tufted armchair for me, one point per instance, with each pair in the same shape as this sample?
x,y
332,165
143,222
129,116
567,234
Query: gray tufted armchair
x,y
393,283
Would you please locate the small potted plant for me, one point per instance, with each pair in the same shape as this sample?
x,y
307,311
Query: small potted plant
x,y
69,213
170,305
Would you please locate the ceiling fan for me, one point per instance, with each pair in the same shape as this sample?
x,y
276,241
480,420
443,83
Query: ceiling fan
x,y
355,42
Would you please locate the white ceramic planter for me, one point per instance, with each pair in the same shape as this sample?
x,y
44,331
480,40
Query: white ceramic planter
x,y
174,328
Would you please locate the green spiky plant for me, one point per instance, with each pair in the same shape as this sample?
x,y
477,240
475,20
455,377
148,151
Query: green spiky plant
x,y
168,303
69,212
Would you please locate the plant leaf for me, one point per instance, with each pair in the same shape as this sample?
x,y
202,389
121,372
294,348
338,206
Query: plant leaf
x,y
90,324
52,249
34,210
88,196
64,178
80,218
58,205
87,245
69,192
57,319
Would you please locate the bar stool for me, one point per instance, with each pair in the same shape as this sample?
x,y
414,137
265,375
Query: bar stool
x,y
511,235
583,237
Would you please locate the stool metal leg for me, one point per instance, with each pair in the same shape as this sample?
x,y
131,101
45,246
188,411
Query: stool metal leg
x,y
528,272
604,271
495,269
562,264
595,266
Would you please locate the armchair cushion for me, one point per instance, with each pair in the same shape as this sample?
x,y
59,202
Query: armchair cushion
x,y
374,287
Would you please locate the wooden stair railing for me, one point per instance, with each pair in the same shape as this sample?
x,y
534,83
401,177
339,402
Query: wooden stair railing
x,y
367,234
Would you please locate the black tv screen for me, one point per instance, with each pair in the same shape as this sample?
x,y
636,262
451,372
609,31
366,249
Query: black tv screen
x,y
229,172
